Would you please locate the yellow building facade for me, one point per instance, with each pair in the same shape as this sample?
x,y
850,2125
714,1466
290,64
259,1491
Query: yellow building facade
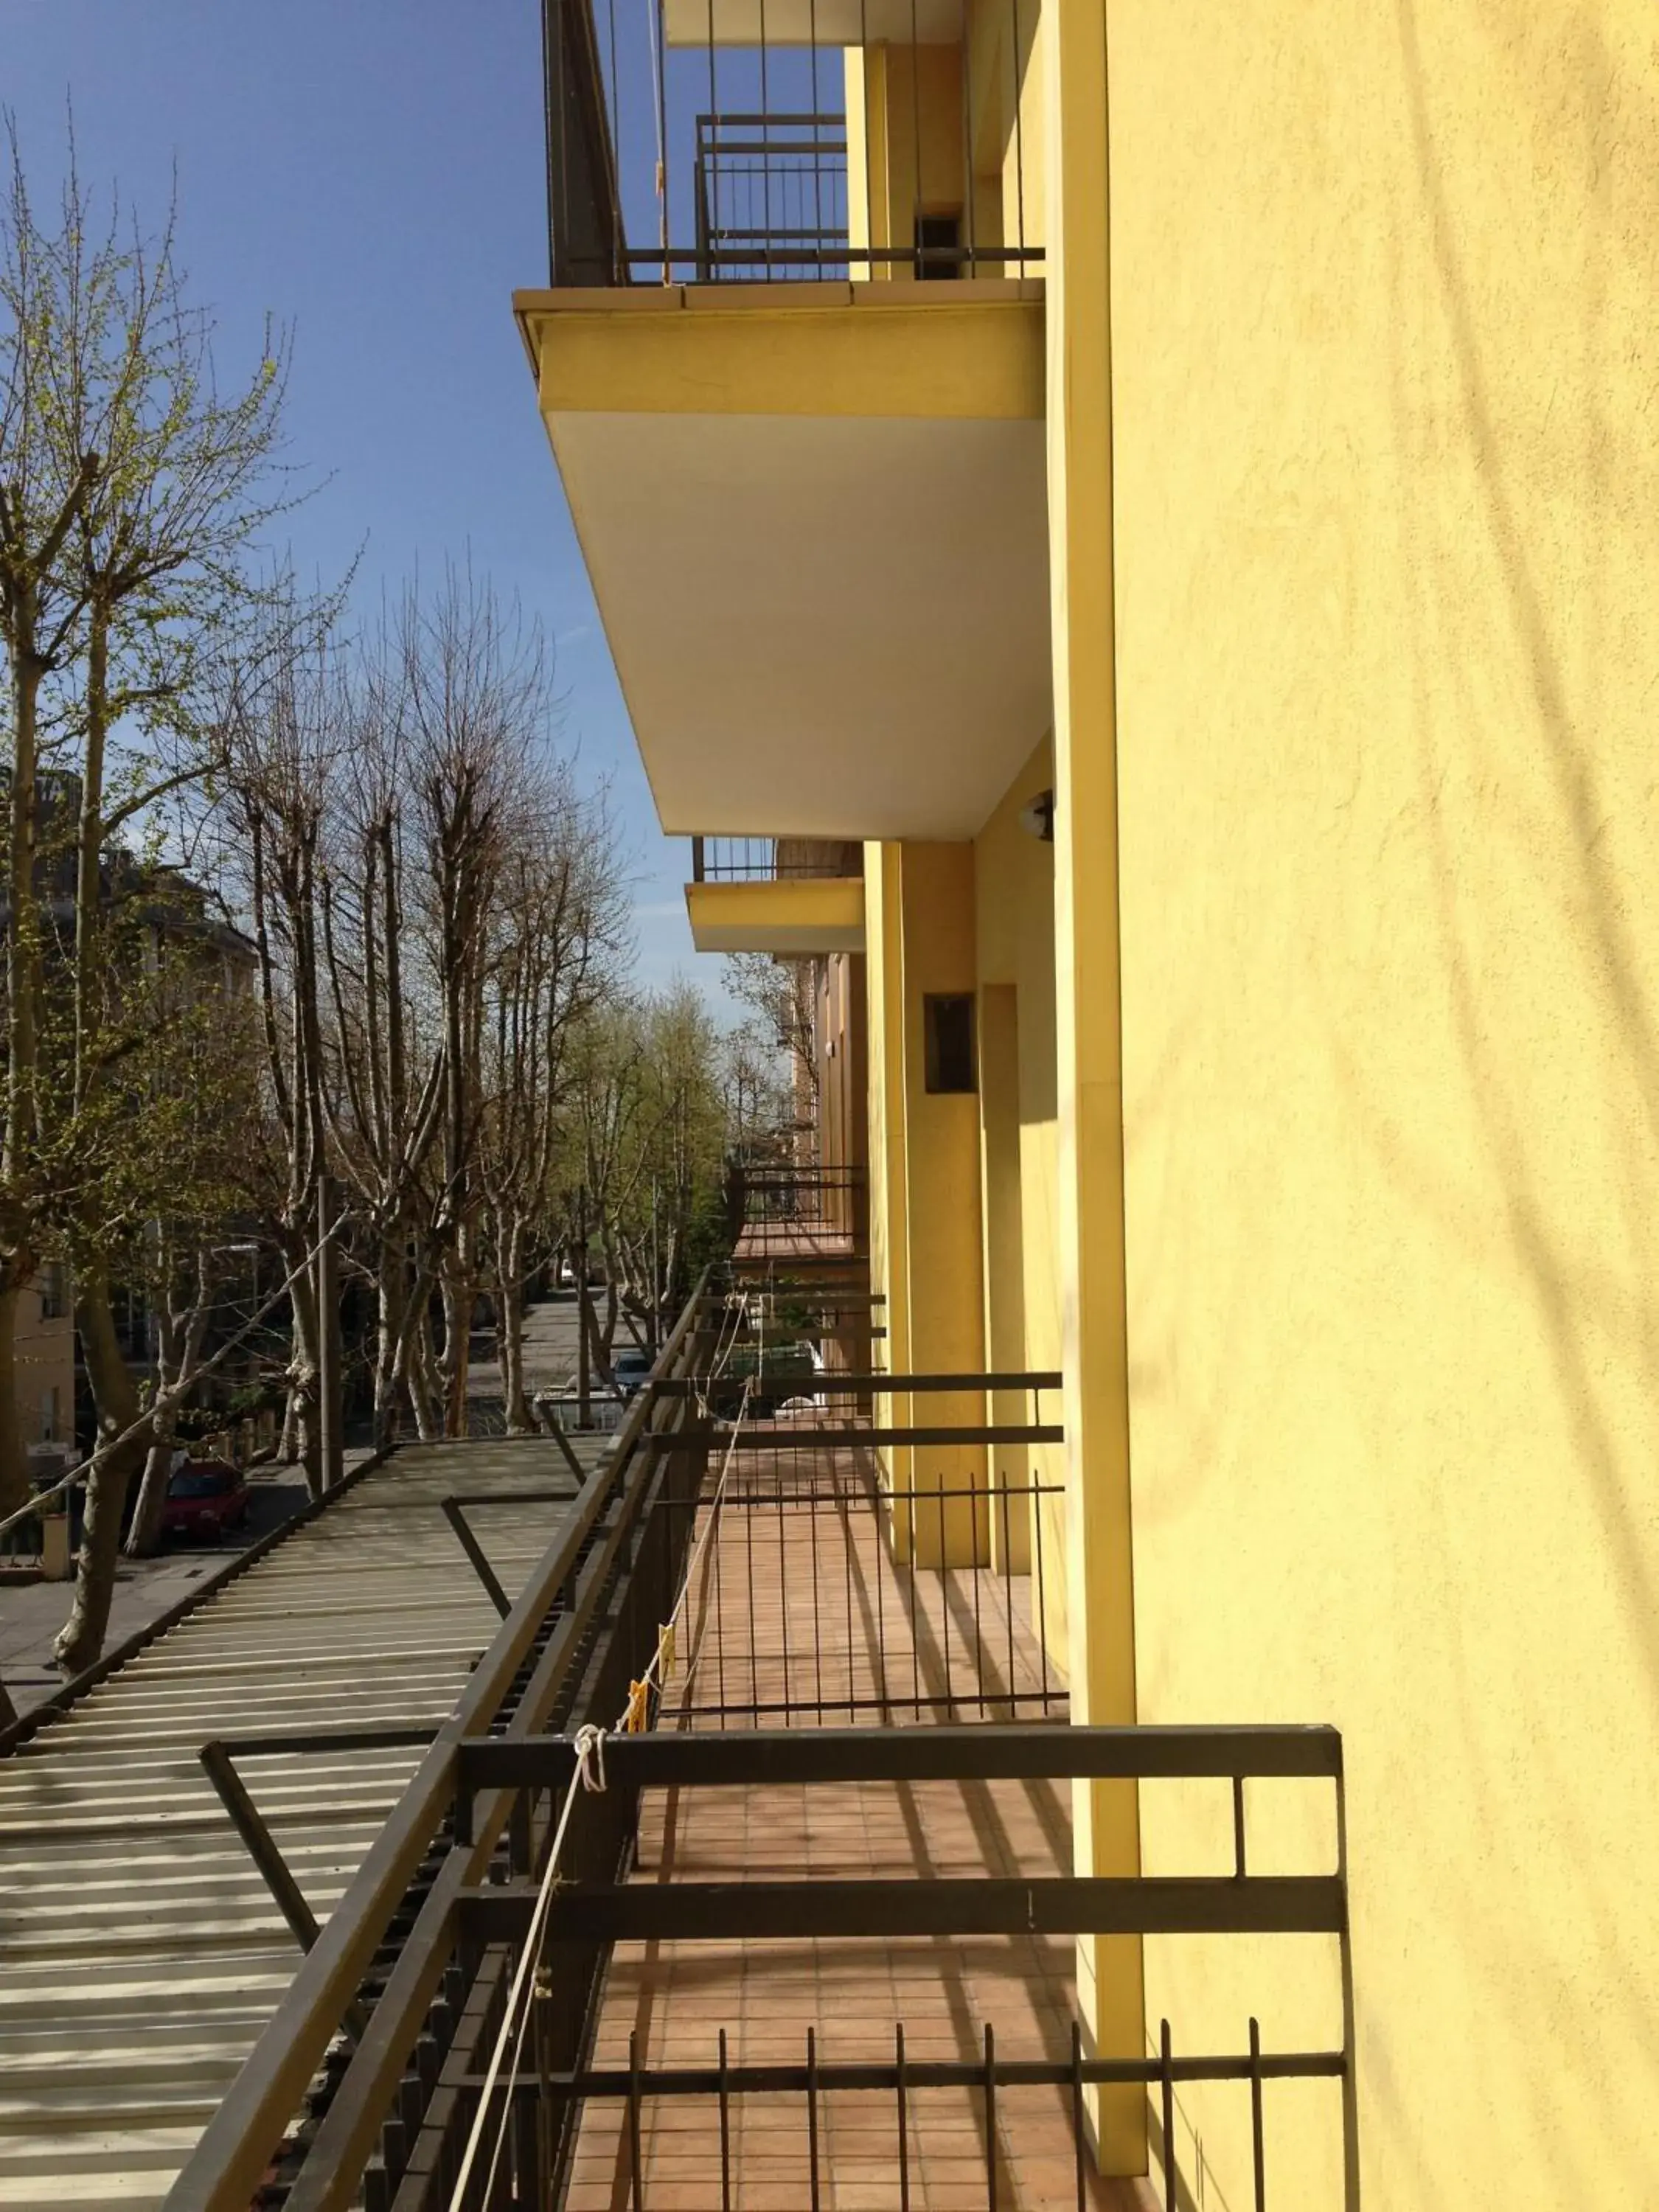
x,y
1228,620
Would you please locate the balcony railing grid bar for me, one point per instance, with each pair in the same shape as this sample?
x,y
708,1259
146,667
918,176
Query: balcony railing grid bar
x,y
1238,1901
901,2085
585,1616
921,1563
740,160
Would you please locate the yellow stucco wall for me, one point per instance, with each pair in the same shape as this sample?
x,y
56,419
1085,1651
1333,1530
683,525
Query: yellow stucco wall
x,y
790,919
44,1353
884,1063
992,101
945,1326
1014,888
809,348
1385,352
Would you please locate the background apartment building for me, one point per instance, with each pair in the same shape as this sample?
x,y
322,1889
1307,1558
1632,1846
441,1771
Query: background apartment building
x,y
44,1353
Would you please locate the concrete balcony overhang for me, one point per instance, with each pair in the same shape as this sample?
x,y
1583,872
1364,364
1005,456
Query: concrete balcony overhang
x,y
815,519
821,914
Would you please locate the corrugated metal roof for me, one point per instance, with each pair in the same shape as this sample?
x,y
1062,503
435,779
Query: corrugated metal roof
x,y
143,1953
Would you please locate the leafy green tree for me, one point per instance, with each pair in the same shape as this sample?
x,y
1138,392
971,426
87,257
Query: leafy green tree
x,y
132,493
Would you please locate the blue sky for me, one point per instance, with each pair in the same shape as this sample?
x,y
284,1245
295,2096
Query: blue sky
x,y
370,172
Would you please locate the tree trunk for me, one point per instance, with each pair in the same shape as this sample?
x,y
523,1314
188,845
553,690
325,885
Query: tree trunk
x,y
145,1533
15,1486
421,1396
509,1334
307,1381
391,1342
116,1396
288,1444
144,1536
90,845
22,937
455,1282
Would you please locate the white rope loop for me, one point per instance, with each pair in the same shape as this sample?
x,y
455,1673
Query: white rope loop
x,y
590,1759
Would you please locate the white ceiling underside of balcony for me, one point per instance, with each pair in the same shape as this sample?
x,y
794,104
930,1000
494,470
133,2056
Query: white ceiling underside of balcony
x,y
807,22
825,627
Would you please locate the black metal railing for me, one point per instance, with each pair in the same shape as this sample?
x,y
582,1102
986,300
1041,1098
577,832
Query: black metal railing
x,y
859,1584
688,141
924,2102
780,1215
884,1551
770,194
705,2099
796,1195
585,1619
774,860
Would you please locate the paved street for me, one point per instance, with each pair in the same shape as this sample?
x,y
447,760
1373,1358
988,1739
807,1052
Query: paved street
x,y
550,1360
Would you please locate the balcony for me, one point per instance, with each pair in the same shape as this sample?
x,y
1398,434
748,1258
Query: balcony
x,y
789,140
792,896
792,367
799,1928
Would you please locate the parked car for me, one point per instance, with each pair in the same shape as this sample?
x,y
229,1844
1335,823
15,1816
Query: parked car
x,y
631,1367
205,1496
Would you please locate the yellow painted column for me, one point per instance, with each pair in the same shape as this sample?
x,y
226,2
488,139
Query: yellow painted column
x,y
1089,1041
1005,1285
884,1037
945,1321
856,1081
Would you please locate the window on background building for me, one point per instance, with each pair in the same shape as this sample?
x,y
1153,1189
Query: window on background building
x,y
948,1021
49,1415
53,1302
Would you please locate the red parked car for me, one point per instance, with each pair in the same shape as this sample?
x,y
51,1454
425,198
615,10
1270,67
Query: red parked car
x,y
204,1497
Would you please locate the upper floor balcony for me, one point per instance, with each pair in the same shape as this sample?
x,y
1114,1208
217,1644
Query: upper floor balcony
x,y
792,367
787,896
789,140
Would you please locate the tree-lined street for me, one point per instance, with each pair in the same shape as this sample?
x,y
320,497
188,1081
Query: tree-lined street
x,y
323,1045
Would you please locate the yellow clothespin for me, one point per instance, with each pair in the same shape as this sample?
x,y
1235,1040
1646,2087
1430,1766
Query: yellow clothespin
x,y
638,1692
666,1646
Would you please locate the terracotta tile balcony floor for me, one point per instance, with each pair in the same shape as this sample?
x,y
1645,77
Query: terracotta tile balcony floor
x,y
800,1603
796,1241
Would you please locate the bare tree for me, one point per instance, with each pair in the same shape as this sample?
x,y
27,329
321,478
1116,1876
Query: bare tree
x,y
780,996
284,715
388,1100
182,1297
479,703
559,940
